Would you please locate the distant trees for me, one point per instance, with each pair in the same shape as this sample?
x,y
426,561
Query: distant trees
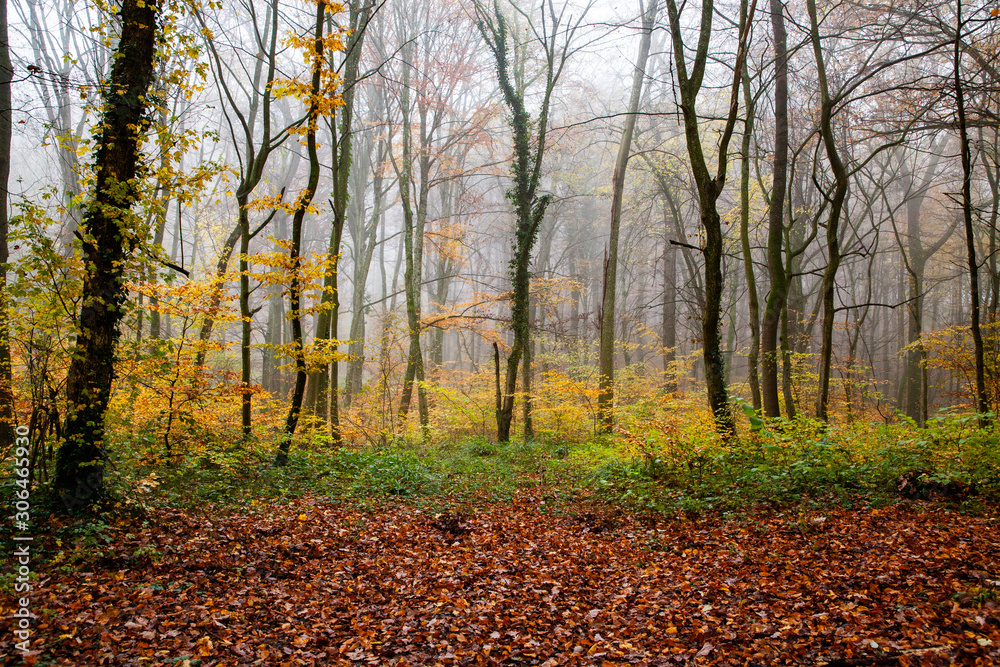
x,y
450,218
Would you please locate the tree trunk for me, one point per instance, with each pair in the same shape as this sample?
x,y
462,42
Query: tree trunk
x,y
245,395
295,287
108,240
753,356
413,254
828,286
529,427
605,395
668,325
982,406
7,416
777,296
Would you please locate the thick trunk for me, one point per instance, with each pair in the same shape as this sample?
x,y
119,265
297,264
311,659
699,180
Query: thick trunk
x,y
109,239
7,417
715,382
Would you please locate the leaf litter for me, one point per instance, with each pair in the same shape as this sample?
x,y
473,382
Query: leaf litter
x,y
319,584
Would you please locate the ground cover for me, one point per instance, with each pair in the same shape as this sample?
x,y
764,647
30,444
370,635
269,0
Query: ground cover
x,y
534,580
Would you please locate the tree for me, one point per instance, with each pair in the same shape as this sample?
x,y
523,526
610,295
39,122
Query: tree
x,y
982,407
833,219
777,297
709,187
6,381
320,101
605,397
252,160
753,357
108,234
413,250
526,169
321,393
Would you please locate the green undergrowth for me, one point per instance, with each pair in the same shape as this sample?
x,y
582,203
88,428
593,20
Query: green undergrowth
x,y
803,461
471,470
645,467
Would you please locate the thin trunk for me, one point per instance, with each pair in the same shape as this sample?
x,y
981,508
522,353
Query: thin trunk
x,y
529,427
322,398
216,301
786,366
295,287
777,297
754,355
245,395
668,329
412,251
605,395
828,286
161,223
982,406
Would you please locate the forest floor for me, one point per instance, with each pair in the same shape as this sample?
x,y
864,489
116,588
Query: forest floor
x,y
530,581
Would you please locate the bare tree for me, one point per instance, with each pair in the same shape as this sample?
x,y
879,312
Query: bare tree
x,y
689,84
605,397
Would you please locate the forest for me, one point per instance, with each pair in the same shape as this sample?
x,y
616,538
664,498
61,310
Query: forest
x,y
535,332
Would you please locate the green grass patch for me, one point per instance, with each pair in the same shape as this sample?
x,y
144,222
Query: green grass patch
x,y
646,465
